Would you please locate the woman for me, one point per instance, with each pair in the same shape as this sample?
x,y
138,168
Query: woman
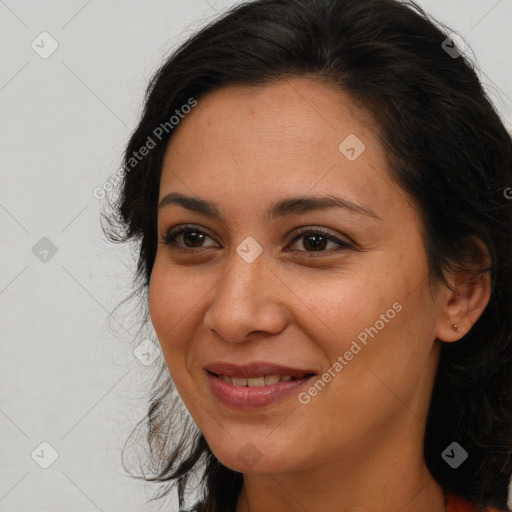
x,y
319,192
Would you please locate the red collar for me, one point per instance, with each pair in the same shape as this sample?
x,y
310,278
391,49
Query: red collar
x,y
457,504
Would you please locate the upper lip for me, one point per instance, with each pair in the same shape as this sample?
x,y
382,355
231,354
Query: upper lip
x,y
254,369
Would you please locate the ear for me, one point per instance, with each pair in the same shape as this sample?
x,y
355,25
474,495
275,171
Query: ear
x,y
462,307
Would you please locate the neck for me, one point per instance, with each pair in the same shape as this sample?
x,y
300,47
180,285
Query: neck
x,y
389,475
278,493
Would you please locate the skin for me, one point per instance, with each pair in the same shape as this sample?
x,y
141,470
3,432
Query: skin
x,y
357,445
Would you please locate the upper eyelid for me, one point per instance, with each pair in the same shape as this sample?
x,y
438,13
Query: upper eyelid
x,y
177,230
322,231
303,230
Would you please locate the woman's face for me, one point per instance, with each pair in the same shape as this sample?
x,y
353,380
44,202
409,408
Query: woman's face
x,y
351,305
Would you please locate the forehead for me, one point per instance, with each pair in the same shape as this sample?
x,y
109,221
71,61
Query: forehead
x,y
290,136
298,110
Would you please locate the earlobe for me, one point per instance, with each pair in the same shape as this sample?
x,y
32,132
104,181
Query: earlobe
x,y
464,305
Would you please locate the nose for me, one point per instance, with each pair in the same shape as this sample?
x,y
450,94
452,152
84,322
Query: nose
x,y
249,299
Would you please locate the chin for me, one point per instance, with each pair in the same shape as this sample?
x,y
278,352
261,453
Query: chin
x,y
251,456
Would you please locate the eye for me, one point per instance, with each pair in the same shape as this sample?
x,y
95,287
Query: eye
x,y
315,240
189,234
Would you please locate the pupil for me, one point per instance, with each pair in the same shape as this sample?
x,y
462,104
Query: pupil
x,y
195,237
316,244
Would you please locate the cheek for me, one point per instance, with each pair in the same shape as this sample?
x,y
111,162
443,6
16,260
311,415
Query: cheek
x,y
172,303
159,297
334,309
376,319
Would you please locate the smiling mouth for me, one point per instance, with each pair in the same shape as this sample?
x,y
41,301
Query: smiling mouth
x,y
259,381
254,386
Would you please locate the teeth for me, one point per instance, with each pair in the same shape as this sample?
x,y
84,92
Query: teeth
x,y
256,382
264,380
271,379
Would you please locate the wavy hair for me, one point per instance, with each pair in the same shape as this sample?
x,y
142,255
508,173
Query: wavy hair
x,y
447,148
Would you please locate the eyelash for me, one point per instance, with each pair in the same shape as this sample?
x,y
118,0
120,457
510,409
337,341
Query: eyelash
x,y
174,233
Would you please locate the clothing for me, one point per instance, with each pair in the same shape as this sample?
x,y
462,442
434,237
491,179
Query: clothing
x,y
458,504
454,504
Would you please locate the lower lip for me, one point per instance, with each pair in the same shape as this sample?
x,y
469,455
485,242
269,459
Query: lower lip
x,y
250,398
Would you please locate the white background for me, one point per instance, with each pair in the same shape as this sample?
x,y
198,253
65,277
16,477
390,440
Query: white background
x,y
67,376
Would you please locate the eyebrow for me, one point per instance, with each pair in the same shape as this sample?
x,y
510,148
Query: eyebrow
x,y
282,208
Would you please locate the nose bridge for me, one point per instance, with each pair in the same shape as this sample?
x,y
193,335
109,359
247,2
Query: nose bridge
x,y
243,274
244,299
